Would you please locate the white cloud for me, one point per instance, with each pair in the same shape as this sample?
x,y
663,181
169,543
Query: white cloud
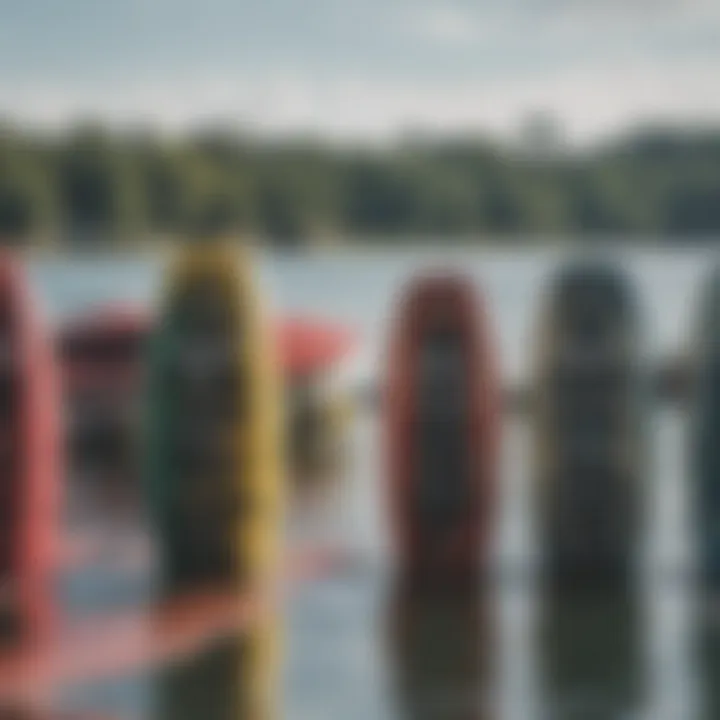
x,y
502,37
591,100
443,24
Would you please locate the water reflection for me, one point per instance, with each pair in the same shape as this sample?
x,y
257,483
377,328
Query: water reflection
x,y
442,649
590,651
707,646
236,679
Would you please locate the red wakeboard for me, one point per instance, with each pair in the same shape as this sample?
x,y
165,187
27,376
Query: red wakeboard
x,y
442,419
30,454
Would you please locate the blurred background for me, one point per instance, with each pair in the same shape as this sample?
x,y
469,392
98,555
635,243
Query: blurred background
x,y
330,122
356,142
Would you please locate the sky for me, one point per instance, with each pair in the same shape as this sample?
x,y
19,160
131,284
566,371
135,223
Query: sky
x,y
362,68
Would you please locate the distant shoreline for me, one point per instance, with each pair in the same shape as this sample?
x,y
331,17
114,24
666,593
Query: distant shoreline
x,y
137,189
373,247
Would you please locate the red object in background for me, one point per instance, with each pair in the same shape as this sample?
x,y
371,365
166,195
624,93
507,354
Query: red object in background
x,y
116,319
30,454
103,348
431,545
306,346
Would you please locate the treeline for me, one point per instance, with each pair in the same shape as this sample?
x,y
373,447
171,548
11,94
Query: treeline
x,y
93,186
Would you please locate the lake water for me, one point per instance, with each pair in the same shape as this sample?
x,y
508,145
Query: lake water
x,y
344,660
